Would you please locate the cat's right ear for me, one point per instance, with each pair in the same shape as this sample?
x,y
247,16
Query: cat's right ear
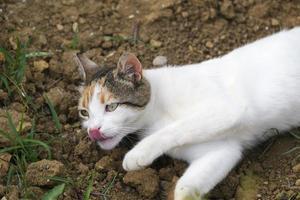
x,y
87,67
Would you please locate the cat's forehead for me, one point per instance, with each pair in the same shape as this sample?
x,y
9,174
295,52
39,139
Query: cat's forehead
x,y
96,88
113,87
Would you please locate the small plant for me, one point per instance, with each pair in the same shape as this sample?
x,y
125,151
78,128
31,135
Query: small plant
x,y
75,41
54,115
54,193
87,193
12,70
24,149
296,134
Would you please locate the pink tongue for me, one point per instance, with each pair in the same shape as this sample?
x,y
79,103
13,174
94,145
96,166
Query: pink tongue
x,y
95,135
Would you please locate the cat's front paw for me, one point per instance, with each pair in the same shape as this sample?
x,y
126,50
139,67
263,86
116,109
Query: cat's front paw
x,y
136,159
187,193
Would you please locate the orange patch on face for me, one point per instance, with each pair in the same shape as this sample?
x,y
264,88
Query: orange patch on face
x,y
105,96
102,98
86,95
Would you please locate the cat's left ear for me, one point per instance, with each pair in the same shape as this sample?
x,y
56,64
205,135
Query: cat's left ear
x,y
87,67
130,65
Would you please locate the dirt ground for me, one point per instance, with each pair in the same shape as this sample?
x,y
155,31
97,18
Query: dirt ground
x,y
185,31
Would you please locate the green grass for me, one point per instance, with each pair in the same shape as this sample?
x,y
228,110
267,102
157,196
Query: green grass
x,y
54,115
87,193
296,135
13,68
75,41
54,193
24,149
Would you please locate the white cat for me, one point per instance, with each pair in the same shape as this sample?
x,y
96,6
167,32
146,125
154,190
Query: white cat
x,y
205,113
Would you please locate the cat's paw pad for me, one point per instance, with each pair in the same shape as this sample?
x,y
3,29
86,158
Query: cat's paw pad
x,y
187,193
135,160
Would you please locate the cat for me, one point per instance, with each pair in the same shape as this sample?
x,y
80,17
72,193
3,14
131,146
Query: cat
x,y
205,113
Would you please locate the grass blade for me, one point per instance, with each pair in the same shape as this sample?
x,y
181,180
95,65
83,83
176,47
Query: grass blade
x,y
53,113
38,54
39,143
54,193
89,189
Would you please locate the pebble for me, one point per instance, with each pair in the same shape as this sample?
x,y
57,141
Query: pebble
x,y
227,9
4,163
160,61
209,44
40,65
105,163
296,168
145,181
75,27
274,22
185,14
59,27
155,43
297,183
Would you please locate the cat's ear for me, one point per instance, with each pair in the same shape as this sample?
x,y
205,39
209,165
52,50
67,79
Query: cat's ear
x,y
130,65
87,67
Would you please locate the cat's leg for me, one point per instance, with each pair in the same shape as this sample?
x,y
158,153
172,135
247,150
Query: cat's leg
x,y
211,122
205,172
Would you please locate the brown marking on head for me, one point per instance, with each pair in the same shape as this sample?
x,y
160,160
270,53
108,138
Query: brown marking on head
x,y
87,94
124,84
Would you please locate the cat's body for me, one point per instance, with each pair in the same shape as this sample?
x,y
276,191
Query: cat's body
x,y
208,113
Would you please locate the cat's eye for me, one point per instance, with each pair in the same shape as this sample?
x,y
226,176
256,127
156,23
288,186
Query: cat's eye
x,y
111,107
84,113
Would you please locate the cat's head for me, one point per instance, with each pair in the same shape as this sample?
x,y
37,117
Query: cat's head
x,y
112,98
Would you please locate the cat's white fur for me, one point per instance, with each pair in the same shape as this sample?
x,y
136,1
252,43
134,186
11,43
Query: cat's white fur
x,y
207,113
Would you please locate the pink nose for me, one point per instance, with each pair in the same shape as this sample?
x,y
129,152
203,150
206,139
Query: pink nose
x,y
95,134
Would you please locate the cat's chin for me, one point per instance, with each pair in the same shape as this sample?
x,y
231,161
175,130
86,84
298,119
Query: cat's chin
x,y
109,143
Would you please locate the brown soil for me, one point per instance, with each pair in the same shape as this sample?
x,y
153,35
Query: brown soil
x,y
184,32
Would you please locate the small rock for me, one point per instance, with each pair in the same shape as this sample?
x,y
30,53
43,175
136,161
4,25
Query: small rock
x,y
160,61
56,95
82,148
3,95
2,190
13,43
4,163
274,22
75,27
185,14
40,65
68,2
248,188
42,39
155,43
36,192
209,44
259,10
227,9
297,183
296,168
107,45
105,163
13,192
146,181
60,27
82,168
2,57
38,173
166,173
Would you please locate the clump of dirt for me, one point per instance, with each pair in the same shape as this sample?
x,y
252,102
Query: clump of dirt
x,y
172,31
4,164
40,173
146,181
